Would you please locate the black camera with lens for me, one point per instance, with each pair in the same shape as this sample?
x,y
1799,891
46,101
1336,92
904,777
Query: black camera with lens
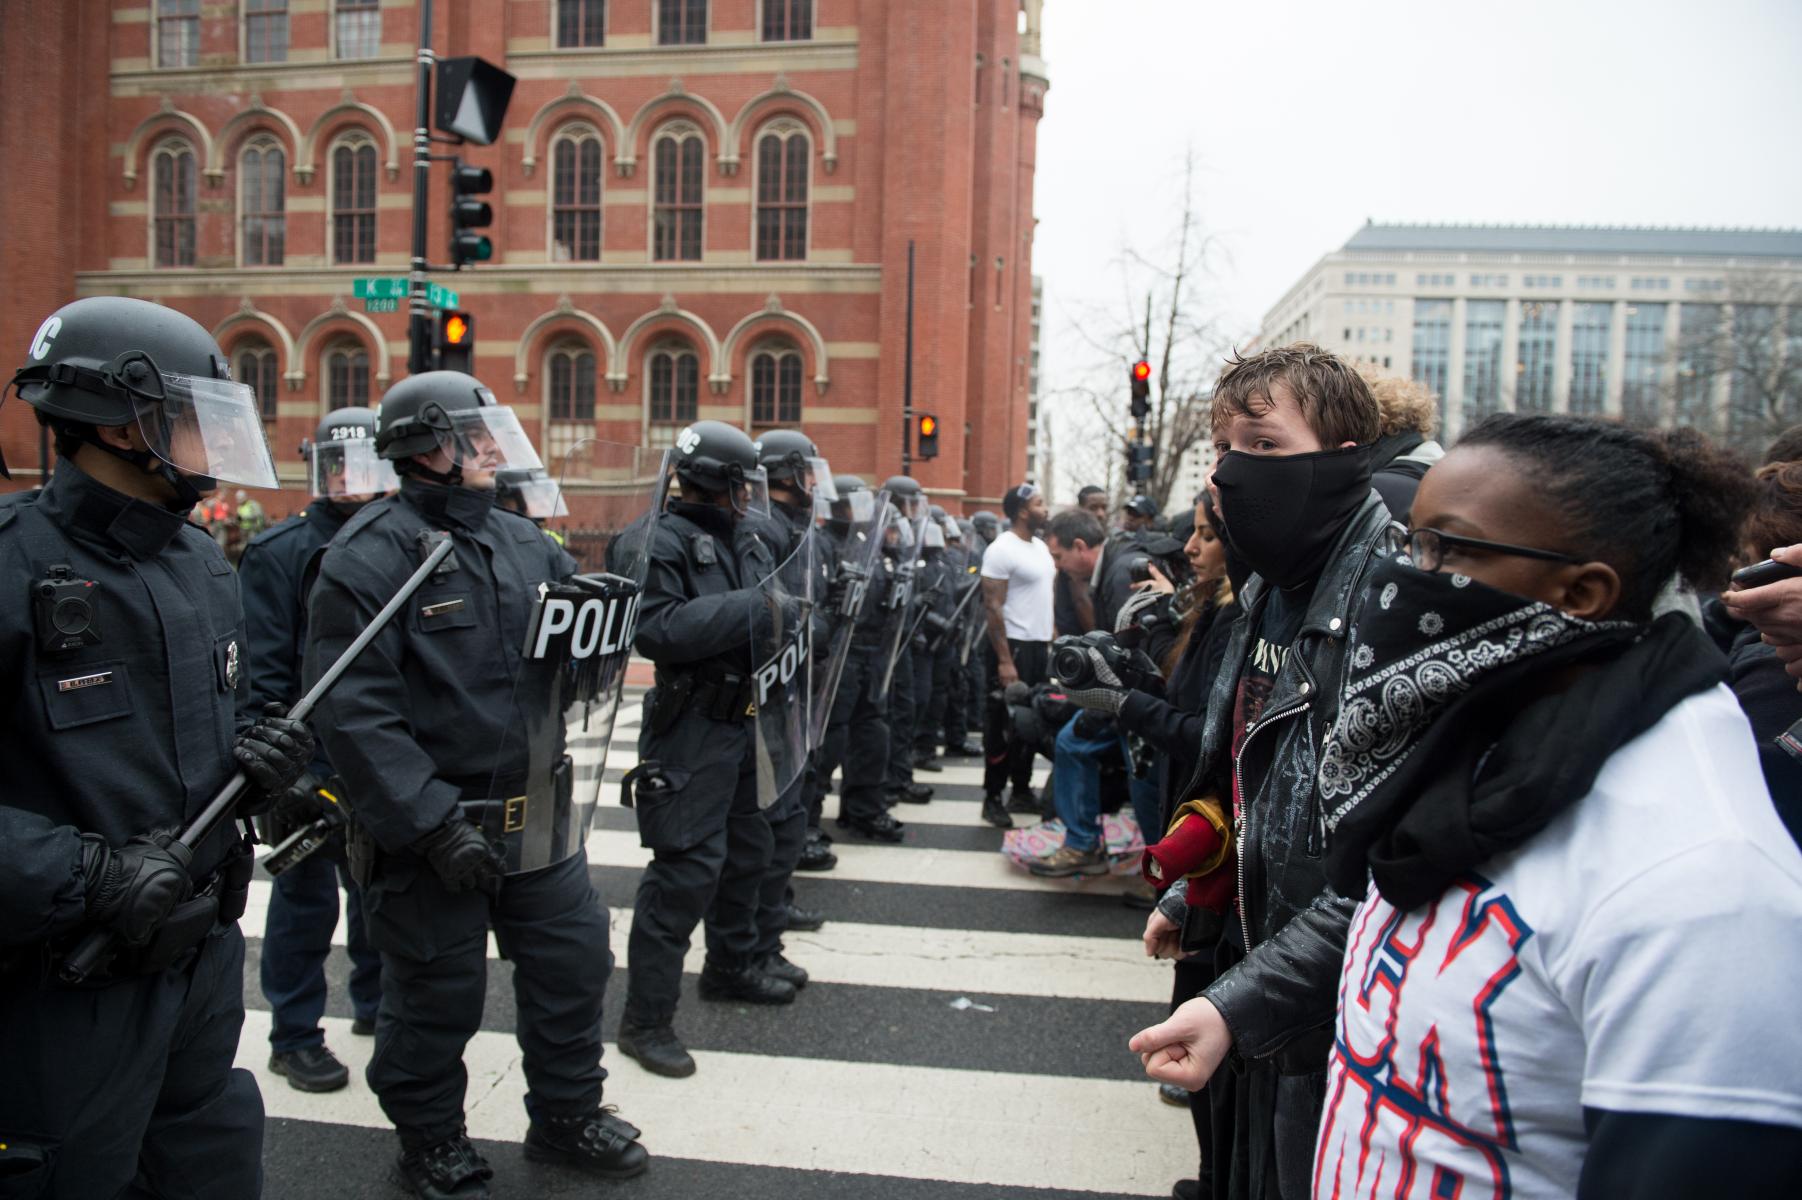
x,y
66,610
1073,663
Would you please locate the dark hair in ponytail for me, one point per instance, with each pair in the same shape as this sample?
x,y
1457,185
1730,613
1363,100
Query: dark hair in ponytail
x,y
1650,504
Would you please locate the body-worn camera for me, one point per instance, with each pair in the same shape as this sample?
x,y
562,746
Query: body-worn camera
x,y
1073,662
65,610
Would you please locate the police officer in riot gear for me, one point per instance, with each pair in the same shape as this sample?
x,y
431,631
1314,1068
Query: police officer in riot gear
x,y
344,473
124,643
910,670
695,789
945,579
428,731
794,469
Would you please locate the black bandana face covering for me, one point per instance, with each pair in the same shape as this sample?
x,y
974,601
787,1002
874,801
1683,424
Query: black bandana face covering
x,y
1283,514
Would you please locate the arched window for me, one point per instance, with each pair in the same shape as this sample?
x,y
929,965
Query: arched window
x,y
353,199
673,381
346,376
569,377
783,154
262,204
253,364
178,33
581,23
357,28
172,169
787,20
681,22
678,159
776,384
576,167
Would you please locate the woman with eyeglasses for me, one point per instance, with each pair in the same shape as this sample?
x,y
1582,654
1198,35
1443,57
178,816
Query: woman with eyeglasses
x,y
1575,967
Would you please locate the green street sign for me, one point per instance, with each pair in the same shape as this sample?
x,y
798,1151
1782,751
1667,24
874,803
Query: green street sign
x,y
385,304
440,297
393,287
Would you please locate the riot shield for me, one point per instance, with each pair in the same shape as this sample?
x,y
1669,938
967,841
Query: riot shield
x,y
782,628
911,515
571,669
852,539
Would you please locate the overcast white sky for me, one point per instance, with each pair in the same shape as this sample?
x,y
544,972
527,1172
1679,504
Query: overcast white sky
x,y
1308,117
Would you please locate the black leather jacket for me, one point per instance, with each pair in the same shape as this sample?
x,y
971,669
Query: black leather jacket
x,y
1293,925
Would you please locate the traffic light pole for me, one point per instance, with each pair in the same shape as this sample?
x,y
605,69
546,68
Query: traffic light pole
x,y
419,309
907,373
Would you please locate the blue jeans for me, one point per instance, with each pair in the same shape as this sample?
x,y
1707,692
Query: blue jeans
x,y
1148,807
303,911
1076,784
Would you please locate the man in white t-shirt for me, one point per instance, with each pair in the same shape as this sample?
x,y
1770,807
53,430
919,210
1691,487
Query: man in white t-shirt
x,y
1017,581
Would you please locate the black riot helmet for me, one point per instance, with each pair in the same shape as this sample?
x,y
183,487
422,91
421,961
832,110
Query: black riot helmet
x,y
986,524
789,458
341,458
107,361
721,460
453,412
908,498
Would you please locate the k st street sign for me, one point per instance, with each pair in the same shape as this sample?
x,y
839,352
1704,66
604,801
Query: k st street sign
x,y
384,293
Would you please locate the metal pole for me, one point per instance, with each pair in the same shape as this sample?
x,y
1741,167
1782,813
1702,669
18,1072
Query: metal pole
x,y
419,313
907,373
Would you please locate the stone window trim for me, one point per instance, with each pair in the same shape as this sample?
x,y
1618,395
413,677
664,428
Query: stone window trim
x,y
562,325
264,15
775,367
774,322
169,18
686,209
663,9
582,9
336,27
341,360
788,14
575,133
182,223
571,349
672,388
666,322
785,129
354,140
261,144
257,364
328,328
251,325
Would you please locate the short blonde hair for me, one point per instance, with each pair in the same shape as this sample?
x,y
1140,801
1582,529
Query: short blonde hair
x,y
1406,404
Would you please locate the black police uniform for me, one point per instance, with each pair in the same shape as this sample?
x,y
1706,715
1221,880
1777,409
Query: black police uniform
x,y
127,734
303,903
910,688
947,575
425,720
853,705
696,790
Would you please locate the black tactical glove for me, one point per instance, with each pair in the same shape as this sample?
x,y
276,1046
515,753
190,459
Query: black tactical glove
x,y
273,752
299,803
134,888
461,856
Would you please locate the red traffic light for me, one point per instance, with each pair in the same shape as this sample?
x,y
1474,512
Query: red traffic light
x,y
456,330
1141,371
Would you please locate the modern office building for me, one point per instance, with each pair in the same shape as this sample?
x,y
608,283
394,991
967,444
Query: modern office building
x,y
1700,326
703,209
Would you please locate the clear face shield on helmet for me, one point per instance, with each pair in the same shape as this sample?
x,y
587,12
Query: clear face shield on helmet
x,y
855,508
932,537
533,493
751,493
486,437
208,427
348,470
824,491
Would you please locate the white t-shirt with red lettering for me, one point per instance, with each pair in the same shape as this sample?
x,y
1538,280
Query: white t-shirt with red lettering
x,y
1643,953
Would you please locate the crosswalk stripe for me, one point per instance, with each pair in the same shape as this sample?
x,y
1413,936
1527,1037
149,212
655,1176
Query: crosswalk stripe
x,y
935,1123
945,960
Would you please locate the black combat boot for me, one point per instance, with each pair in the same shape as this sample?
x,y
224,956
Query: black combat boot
x,y
657,1049
746,984
882,827
802,920
925,761
310,1069
597,1142
995,812
777,967
449,1170
816,854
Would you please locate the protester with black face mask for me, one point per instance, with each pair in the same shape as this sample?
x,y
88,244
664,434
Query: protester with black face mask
x,y
1291,428
1579,907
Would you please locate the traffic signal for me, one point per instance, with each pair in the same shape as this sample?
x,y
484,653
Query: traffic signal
x,y
456,342
467,214
1141,384
929,437
1138,462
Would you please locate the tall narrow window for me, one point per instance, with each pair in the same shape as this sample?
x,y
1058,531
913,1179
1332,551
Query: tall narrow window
x,y
358,28
262,200
569,382
674,383
1643,361
581,23
253,365
576,195
172,169
1433,347
346,377
787,20
681,22
178,33
353,200
677,214
1482,358
1590,325
1538,352
782,158
265,31
1698,356
776,386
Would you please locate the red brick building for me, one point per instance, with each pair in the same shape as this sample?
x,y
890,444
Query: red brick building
x,y
702,208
